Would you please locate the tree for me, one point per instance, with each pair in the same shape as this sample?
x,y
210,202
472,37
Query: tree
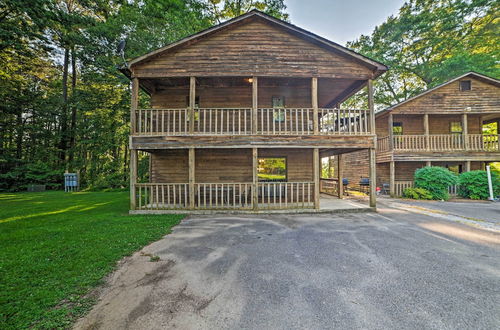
x,y
430,42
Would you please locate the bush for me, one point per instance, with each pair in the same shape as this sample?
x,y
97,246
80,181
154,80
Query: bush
x,y
417,193
474,184
436,180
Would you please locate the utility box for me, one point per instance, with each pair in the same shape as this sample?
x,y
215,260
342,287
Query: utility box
x,y
71,182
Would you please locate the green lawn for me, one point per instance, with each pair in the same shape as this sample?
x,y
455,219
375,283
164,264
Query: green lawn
x,y
55,247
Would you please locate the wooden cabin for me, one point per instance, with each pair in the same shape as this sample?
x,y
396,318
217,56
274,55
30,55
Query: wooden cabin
x,y
240,115
443,126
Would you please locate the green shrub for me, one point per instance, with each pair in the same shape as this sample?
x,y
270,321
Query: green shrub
x,y
474,184
417,193
436,180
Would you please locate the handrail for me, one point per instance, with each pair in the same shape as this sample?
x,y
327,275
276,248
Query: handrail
x,y
442,142
238,121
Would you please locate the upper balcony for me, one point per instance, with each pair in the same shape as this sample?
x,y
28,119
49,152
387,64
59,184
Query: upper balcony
x,y
246,121
250,111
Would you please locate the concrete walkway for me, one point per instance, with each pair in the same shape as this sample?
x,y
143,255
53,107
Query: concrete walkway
x,y
388,270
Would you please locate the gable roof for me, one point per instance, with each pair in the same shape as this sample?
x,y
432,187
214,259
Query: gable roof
x,y
378,67
471,74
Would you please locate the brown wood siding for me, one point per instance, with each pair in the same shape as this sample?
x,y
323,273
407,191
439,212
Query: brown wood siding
x,y
255,48
483,97
356,166
438,124
225,165
169,166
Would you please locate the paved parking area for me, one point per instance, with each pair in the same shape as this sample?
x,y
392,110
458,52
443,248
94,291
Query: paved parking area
x,y
386,270
480,210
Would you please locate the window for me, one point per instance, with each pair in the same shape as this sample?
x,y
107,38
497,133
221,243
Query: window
x,y
465,85
457,169
278,102
397,128
196,106
456,127
272,169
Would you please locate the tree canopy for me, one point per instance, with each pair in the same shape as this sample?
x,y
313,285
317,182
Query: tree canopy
x,y
431,41
65,105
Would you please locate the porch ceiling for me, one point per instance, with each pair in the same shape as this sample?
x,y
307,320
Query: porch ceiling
x,y
331,91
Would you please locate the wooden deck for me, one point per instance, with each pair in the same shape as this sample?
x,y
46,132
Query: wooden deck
x,y
238,121
328,204
440,142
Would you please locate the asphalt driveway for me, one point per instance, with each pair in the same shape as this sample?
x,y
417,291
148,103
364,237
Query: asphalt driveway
x,y
389,270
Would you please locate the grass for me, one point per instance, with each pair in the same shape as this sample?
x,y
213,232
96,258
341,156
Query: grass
x,y
55,247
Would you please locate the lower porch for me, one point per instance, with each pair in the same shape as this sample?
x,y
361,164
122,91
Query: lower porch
x,y
246,180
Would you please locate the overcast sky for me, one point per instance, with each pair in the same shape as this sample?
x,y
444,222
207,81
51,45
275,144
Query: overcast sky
x,y
341,20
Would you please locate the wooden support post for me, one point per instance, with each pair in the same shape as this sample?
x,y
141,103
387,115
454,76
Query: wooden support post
x,y
192,166
192,103
467,166
373,178
255,193
392,178
314,101
255,104
371,107
133,177
465,131
340,175
426,132
134,101
391,131
316,177
428,163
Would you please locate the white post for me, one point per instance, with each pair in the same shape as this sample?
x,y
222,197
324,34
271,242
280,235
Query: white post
x,y
490,185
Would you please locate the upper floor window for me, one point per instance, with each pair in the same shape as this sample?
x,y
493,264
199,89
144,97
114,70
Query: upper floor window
x,y
456,127
397,128
279,102
465,85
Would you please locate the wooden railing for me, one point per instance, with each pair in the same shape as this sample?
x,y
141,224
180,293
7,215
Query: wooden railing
x,y
162,122
329,186
214,196
272,121
285,195
409,142
480,142
344,121
161,196
446,142
383,144
223,196
400,186
238,121
441,142
234,121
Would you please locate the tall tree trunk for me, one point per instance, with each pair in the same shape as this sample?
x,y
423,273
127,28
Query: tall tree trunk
x,y
73,107
20,133
63,145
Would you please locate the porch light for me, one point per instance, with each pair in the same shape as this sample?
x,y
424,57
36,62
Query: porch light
x,y
250,80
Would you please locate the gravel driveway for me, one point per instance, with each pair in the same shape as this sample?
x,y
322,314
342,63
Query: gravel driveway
x,y
388,270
